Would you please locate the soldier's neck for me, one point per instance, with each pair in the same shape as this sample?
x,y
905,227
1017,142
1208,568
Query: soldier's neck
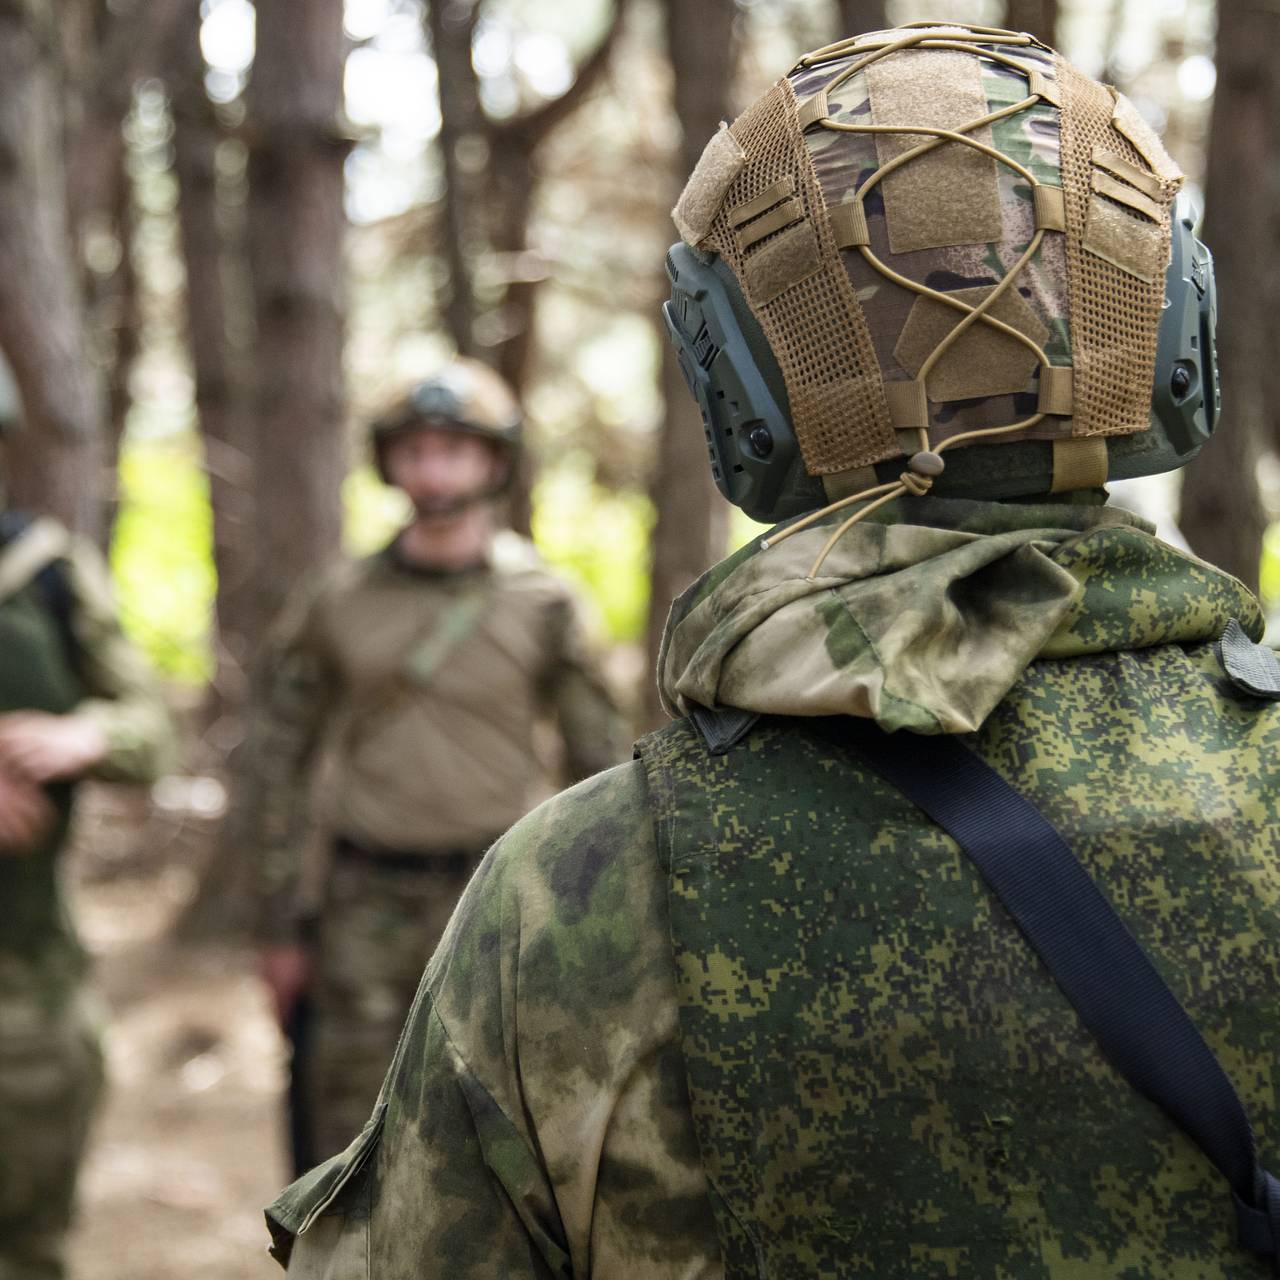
x,y
448,543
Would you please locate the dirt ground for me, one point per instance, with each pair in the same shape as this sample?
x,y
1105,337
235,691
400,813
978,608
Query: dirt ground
x,y
187,1148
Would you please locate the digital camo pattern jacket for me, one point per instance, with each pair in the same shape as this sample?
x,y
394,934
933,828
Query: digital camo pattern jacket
x,y
802,988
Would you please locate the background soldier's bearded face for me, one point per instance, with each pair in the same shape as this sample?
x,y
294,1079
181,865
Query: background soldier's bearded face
x,y
441,471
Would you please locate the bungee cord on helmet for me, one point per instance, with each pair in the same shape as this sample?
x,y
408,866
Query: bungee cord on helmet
x,y
895,180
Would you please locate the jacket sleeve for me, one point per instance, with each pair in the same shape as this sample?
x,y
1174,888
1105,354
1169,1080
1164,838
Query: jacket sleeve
x,y
492,1210
122,694
294,693
534,1122
591,727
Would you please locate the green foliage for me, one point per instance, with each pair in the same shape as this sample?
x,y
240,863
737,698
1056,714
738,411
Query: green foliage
x,y
600,539
372,512
162,556
162,551
1269,576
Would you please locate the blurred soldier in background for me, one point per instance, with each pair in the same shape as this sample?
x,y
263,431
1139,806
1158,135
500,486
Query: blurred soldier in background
x,y
847,973
76,700
420,672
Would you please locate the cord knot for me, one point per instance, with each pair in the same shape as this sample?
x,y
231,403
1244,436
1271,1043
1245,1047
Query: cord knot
x,y
922,469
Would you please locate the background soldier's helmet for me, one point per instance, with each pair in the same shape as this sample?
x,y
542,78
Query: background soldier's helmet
x,y
940,240
467,397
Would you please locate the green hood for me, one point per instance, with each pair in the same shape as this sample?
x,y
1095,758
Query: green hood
x,y
925,616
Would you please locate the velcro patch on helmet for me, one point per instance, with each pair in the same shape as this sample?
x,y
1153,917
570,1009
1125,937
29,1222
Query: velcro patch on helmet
x,y
1132,242
800,292
983,361
1127,120
703,196
784,262
936,88
1118,235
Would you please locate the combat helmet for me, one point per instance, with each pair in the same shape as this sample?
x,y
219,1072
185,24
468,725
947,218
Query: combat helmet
x,y
931,239
465,397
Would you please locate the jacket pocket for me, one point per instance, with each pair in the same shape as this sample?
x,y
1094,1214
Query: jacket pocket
x,y
329,1206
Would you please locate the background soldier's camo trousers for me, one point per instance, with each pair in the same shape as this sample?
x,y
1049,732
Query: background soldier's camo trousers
x,y
378,927
50,1079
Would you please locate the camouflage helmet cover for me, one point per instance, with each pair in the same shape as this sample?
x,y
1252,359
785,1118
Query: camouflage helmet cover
x,y
940,236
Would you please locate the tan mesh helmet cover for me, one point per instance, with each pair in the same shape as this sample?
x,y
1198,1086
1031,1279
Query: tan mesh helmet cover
x,y
844,267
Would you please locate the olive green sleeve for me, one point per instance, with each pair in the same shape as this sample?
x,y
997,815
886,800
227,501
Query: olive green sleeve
x,y
591,727
123,695
534,1121
294,689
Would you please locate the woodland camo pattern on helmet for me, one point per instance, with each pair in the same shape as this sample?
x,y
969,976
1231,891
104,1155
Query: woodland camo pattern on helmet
x,y
908,278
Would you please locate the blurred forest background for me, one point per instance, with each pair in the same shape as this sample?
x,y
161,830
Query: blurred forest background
x,y
229,230
226,235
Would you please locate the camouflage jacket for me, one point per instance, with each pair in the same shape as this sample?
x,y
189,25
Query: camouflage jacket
x,y
538,1118
417,693
120,691
80,664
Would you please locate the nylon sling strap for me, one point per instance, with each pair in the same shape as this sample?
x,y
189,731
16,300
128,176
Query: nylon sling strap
x,y
1102,969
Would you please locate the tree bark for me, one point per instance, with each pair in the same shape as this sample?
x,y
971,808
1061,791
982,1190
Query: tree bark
x,y
121,49
216,364
689,530
116,311
1222,514
858,16
450,27
296,226
55,466
492,214
489,212
1037,17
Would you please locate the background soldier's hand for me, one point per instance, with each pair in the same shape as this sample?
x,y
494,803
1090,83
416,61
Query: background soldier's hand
x,y
25,815
42,747
286,969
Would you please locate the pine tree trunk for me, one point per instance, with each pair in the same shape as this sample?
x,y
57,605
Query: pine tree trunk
x,y
55,466
1222,514
450,28
216,366
296,230
688,535
1037,17
859,16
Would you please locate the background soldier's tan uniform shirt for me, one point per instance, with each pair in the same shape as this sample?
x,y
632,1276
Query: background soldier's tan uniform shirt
x,y
426,689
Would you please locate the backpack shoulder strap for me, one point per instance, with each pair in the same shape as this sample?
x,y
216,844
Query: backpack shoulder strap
x,y
33,553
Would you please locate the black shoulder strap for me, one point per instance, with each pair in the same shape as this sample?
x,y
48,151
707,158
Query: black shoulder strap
x,y
13,524
1097,962
52,585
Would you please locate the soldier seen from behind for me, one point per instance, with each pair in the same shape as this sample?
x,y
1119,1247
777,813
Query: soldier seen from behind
x,y
76,701
938,934
412,681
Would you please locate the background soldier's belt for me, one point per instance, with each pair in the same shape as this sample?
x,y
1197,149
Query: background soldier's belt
x,y
442,861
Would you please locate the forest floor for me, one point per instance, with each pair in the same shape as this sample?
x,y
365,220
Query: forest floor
x,y
188,1146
